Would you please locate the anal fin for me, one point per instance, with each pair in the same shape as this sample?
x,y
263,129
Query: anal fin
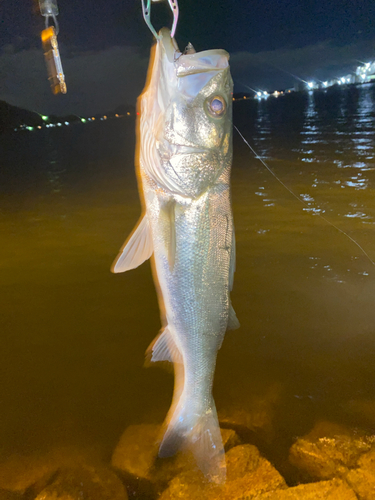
x,y
163,348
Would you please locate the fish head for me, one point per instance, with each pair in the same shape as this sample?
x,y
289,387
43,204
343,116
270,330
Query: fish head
x,y
189,110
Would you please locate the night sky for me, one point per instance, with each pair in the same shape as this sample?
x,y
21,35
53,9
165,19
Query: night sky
x,y
104,45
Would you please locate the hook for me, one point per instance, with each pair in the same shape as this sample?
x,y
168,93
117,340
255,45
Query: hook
x,y
146,9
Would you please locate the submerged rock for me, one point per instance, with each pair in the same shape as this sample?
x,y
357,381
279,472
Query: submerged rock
x,y
257,418
248,474
32,472
84,482
323,490
329,451
137,450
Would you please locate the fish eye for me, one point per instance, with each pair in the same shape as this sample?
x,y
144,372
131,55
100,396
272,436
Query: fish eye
x,y
216,106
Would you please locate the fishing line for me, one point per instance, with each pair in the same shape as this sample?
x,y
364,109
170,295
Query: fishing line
x,y
302,201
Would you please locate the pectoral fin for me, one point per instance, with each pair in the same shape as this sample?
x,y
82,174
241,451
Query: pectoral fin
x,y
136,249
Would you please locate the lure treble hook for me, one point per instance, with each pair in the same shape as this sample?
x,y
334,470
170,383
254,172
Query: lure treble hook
x,y
146,9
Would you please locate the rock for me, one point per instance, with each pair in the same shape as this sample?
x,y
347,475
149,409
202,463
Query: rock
x,y
230,439
136,454
31,473
10,495
248,474
362,479
367,461
328,451
19,473
323,490
84,482
257,418
363,483
137,450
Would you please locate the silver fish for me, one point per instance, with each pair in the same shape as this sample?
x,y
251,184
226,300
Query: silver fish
x,y
184,162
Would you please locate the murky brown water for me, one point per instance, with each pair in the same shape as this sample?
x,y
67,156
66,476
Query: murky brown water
x,y
73,335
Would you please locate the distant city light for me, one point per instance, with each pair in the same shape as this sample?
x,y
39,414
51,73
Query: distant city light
x,y
363,74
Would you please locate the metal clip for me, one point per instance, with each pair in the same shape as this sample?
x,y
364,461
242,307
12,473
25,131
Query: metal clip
x,y
53,61
49,8
146,9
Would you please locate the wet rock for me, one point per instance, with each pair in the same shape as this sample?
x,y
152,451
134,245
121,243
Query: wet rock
x,y
323,490
363,483
137,450
362,479
257,418
230,439
88,482
329,451
20,473
31,473
10,495
248,474
367,461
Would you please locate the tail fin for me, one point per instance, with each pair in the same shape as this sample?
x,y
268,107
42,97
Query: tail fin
x,y
199,433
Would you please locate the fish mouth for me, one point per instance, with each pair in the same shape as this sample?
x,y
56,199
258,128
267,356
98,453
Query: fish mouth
x,y
194,62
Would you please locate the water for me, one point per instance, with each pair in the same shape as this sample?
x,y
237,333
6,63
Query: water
x,y
74,335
